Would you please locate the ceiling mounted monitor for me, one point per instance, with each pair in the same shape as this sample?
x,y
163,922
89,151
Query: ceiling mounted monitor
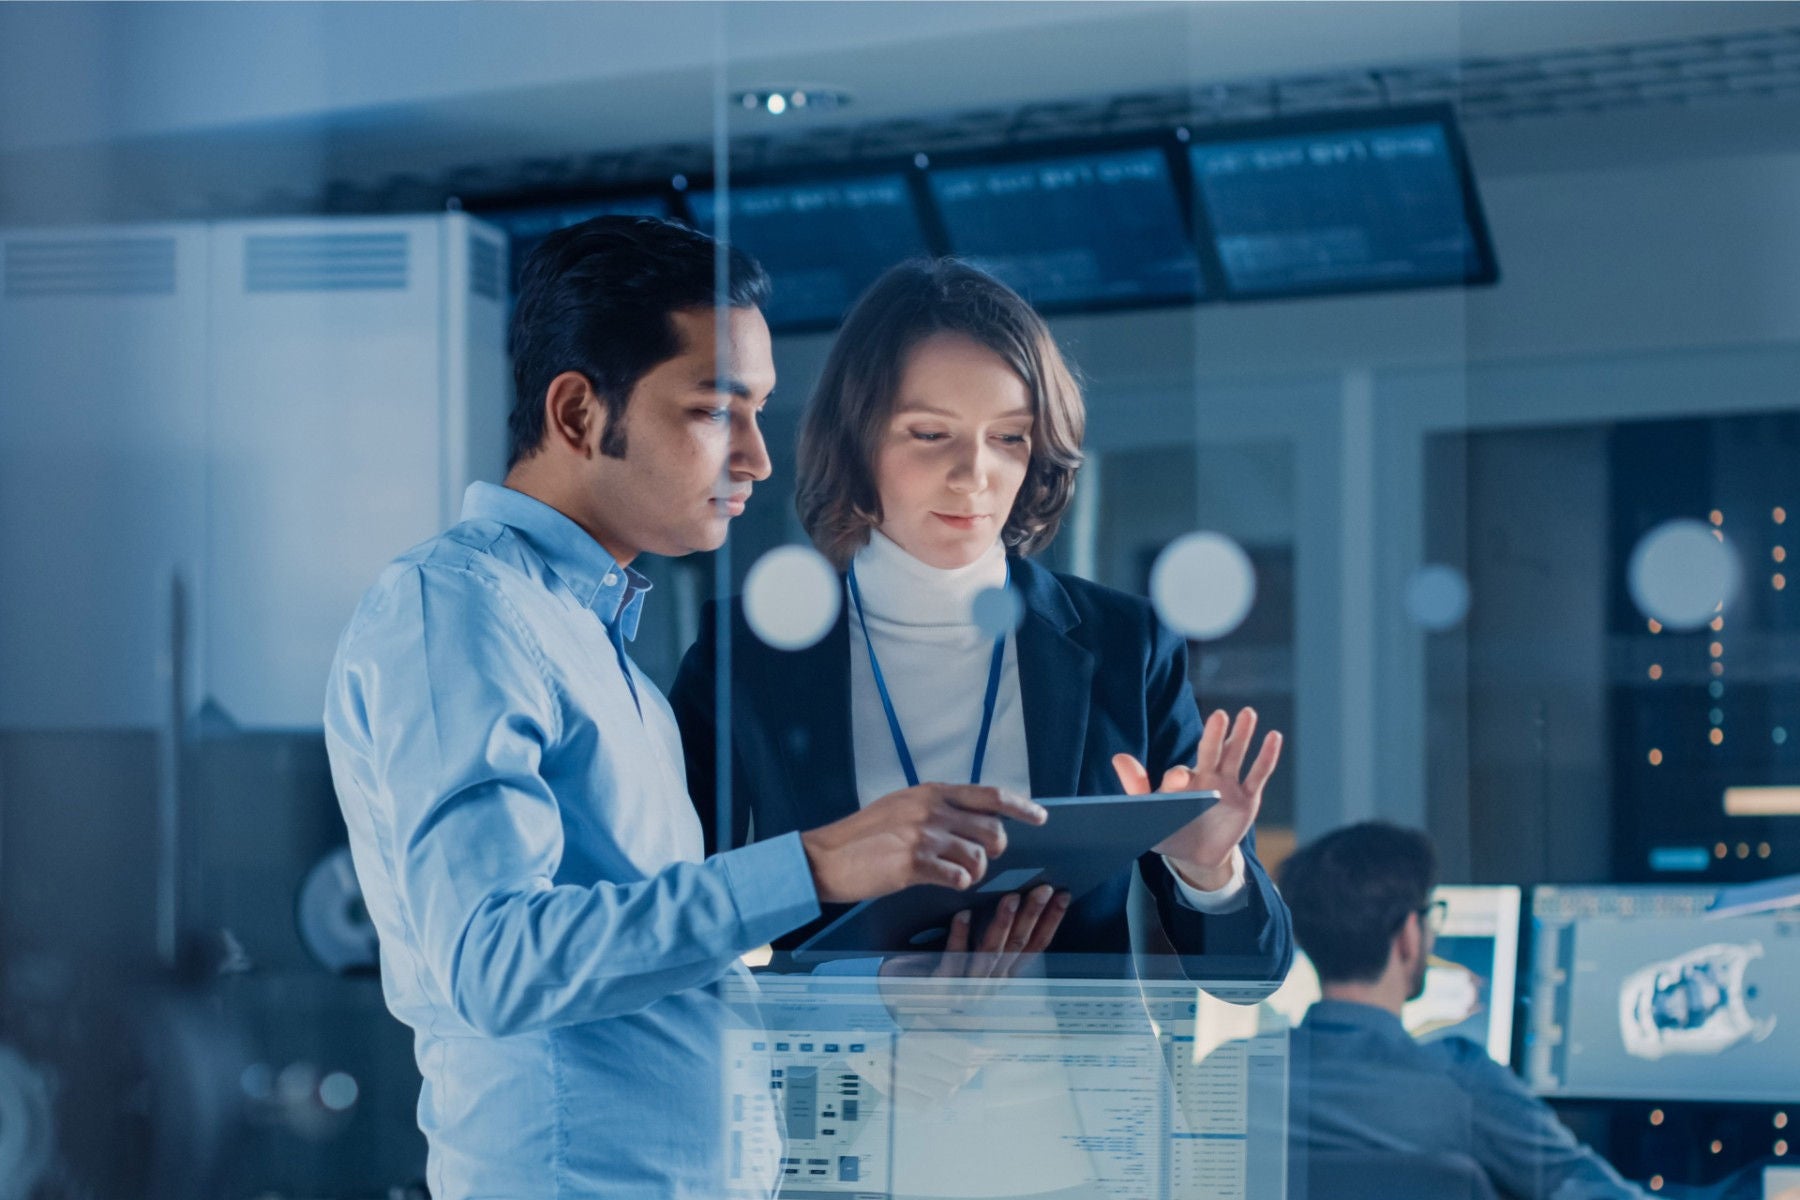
x,y
1340,203
822,241
527,226
1093,230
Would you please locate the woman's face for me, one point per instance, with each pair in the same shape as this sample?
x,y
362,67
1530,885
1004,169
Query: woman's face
x,y
955,451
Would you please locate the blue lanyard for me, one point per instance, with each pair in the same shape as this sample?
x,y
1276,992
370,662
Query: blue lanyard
x,y
887,703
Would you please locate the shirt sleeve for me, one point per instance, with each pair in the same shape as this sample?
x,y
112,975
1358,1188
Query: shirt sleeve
x,y
443,710
1525,1149
1233,897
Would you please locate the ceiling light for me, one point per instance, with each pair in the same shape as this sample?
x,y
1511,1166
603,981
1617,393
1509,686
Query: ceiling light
x,y
778,101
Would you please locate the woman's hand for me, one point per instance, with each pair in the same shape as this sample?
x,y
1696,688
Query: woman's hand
x,y
1201,850
1021,928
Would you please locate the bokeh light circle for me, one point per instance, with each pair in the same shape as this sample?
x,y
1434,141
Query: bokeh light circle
x,y
791,597
1437,597
1682,574
996,611
1203,585
338,1091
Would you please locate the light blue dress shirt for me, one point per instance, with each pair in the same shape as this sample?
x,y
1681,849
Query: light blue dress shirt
x,y
1358,1081
519,819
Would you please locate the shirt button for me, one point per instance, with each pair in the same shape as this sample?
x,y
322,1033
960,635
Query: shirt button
x,y
612,577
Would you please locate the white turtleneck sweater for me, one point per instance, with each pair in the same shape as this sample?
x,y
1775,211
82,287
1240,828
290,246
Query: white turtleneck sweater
x,y
935,662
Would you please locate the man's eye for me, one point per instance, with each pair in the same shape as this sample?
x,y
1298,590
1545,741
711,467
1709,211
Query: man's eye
x,y
713,414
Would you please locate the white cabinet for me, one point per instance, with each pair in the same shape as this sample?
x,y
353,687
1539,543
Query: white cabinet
x,y
295,403
354,388
102,460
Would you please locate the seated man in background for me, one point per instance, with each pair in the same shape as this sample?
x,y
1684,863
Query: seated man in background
x,y
1363,912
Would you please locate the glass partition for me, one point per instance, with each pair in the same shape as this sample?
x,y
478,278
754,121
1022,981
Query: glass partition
x,y
1420,378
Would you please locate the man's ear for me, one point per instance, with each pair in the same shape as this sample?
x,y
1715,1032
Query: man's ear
x,y
1409,943
573,414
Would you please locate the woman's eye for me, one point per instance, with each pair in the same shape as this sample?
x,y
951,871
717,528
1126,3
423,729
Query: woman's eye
x,y
928,435
1013,439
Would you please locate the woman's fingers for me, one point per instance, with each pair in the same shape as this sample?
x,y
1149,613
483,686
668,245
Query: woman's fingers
x,y
1212,743
1132,775
956,947
1264,766
1031,912
1177,779
1237,745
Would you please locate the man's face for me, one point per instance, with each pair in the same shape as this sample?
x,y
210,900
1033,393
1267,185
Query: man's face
x,y
1427,940
693,445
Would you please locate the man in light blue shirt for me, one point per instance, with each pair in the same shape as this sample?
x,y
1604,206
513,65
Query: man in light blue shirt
x,y
513,785
1361,899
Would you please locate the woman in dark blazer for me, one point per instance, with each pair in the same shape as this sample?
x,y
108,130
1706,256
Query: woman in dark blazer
x,y
940,448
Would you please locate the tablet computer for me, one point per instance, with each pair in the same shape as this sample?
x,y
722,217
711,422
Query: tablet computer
x,y
1086,841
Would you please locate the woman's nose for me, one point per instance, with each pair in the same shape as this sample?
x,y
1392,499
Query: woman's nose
x,y
969,472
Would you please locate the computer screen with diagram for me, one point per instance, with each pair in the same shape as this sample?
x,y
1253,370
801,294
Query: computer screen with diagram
x,y
1637,993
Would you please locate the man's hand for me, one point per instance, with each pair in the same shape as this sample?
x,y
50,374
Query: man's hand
x,y
938,833
1200,851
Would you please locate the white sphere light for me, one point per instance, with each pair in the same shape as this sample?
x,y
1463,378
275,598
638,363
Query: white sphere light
x,y
1203,585
1682,574
791,597
1437,597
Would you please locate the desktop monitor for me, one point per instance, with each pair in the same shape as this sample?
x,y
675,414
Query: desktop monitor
x,y
1075,230
1373,201
823,241
1469,980
1638,994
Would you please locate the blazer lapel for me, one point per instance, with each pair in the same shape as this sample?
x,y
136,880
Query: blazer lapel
x,y
805,702
1055,681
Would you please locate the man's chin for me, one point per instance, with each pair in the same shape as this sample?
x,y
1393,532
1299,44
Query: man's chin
x,y
711,535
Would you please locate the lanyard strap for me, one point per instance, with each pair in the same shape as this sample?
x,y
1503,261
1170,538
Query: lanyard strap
x,y
887,704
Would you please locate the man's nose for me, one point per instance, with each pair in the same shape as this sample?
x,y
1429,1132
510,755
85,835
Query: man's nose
x,y
749,452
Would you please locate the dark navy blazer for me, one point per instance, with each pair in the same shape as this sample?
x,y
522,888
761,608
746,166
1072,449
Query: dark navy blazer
x,y
1098,675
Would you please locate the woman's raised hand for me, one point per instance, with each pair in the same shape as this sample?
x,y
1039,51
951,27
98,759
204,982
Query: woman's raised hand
x,y
1202,849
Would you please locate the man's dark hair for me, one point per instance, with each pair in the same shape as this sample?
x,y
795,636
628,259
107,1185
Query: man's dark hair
x,y
596,298
1351,891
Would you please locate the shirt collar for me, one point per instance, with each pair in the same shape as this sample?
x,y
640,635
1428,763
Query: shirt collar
x,y
1358,1016
614,593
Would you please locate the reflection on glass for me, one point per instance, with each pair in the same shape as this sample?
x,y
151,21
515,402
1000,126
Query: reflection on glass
x,y
1203,585
870,1086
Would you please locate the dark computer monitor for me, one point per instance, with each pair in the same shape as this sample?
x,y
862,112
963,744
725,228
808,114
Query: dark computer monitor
x,y
822,242
1340,204
1469,980
527,225
1088,230
1636,993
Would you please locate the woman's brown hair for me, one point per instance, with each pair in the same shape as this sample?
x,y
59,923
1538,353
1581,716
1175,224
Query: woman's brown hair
x,y
854,401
